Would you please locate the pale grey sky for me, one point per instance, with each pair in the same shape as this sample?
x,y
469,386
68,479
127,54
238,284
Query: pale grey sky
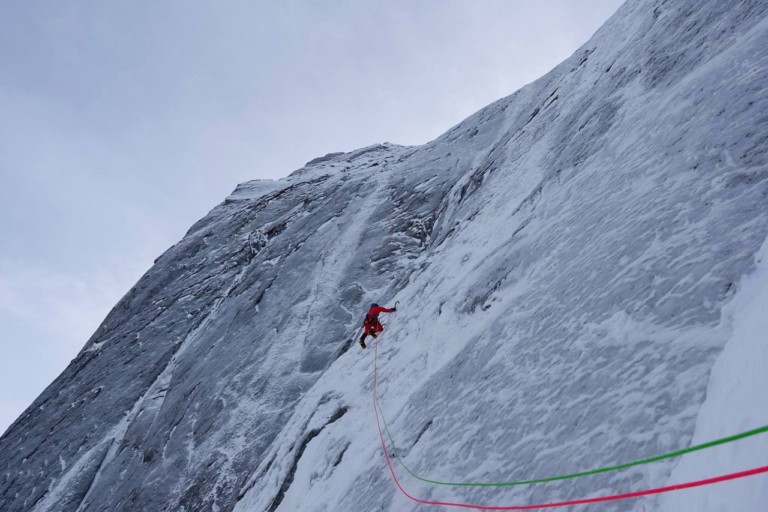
x,y
122,123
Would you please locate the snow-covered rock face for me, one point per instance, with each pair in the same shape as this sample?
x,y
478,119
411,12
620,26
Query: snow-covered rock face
x,y
561,259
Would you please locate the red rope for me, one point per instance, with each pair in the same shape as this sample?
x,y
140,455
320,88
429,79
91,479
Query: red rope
x,y
584,501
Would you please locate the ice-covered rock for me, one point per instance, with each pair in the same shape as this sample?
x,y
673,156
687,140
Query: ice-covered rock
x,y
562,259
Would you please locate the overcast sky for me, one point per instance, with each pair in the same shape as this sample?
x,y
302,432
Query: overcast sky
x,y
122,123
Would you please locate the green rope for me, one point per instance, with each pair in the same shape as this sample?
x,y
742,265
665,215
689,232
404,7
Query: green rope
x,y
648,460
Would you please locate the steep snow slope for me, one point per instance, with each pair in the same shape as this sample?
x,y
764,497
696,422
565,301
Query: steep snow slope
x,y
562,260
735,401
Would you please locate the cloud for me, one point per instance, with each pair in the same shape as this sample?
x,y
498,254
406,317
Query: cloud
x,y
46,318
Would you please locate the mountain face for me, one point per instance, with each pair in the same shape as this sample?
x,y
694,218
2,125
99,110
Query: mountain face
x,y
568,264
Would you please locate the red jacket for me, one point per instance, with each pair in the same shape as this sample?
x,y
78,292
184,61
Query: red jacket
x,y
372,318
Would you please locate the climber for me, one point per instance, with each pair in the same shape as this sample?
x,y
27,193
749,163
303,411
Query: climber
x,y
372,325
